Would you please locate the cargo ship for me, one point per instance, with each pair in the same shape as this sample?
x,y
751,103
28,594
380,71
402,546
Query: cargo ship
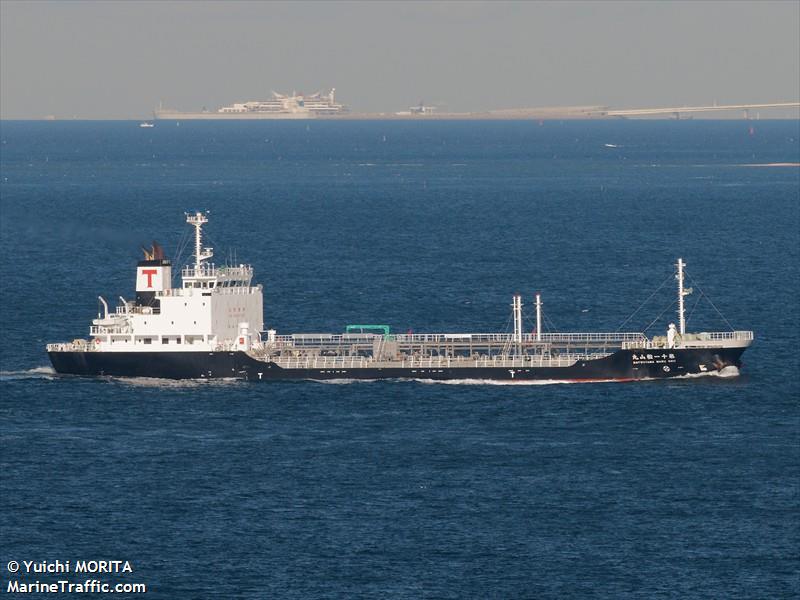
x,y
279,106
211,327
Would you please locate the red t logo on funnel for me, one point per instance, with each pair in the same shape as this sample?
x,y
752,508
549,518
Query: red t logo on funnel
x,y
149,273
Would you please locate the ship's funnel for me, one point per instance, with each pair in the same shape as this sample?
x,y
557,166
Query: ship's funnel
x,y
153,274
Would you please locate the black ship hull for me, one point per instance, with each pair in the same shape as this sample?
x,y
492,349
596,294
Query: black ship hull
x,y
623,365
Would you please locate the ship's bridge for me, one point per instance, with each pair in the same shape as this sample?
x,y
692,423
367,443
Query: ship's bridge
x,y
212,276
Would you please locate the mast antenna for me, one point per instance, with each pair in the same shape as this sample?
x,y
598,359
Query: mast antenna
x,y
198,219
682,291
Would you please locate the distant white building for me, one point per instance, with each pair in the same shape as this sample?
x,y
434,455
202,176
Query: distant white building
x,y
296,104
421,109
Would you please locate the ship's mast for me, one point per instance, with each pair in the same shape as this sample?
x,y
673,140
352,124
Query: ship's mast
x,y
681,293
198,219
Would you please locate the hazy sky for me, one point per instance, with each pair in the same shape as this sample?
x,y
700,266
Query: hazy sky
x,y
119,59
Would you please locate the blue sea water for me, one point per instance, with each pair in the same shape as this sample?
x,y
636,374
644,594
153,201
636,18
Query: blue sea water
x,y
407,489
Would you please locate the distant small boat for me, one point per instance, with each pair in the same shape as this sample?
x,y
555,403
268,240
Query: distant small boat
x,y
145,124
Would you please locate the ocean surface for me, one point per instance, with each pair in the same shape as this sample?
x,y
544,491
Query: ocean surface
x,y
675,489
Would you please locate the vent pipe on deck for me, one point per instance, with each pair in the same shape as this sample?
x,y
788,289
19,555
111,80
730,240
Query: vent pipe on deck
x,y
538,317
517,308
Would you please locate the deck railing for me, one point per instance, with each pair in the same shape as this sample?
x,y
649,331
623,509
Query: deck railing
x,y
82,346
232,290
713,338
211,270
450,338
103,330
722,335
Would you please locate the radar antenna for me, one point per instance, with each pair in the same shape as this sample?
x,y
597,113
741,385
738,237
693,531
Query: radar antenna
x,y
682,291
198,219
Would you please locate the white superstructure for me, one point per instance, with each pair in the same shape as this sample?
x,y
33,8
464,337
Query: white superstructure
x,y
214,308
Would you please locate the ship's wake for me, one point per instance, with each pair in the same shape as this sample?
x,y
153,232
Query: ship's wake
x,y
724,373
35,373
155,382
48,373
348,381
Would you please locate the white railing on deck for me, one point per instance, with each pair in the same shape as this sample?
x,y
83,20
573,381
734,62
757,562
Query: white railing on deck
x,y
721,335
70,347
590,337
233,290
477,338
102,330
211,270
693,339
